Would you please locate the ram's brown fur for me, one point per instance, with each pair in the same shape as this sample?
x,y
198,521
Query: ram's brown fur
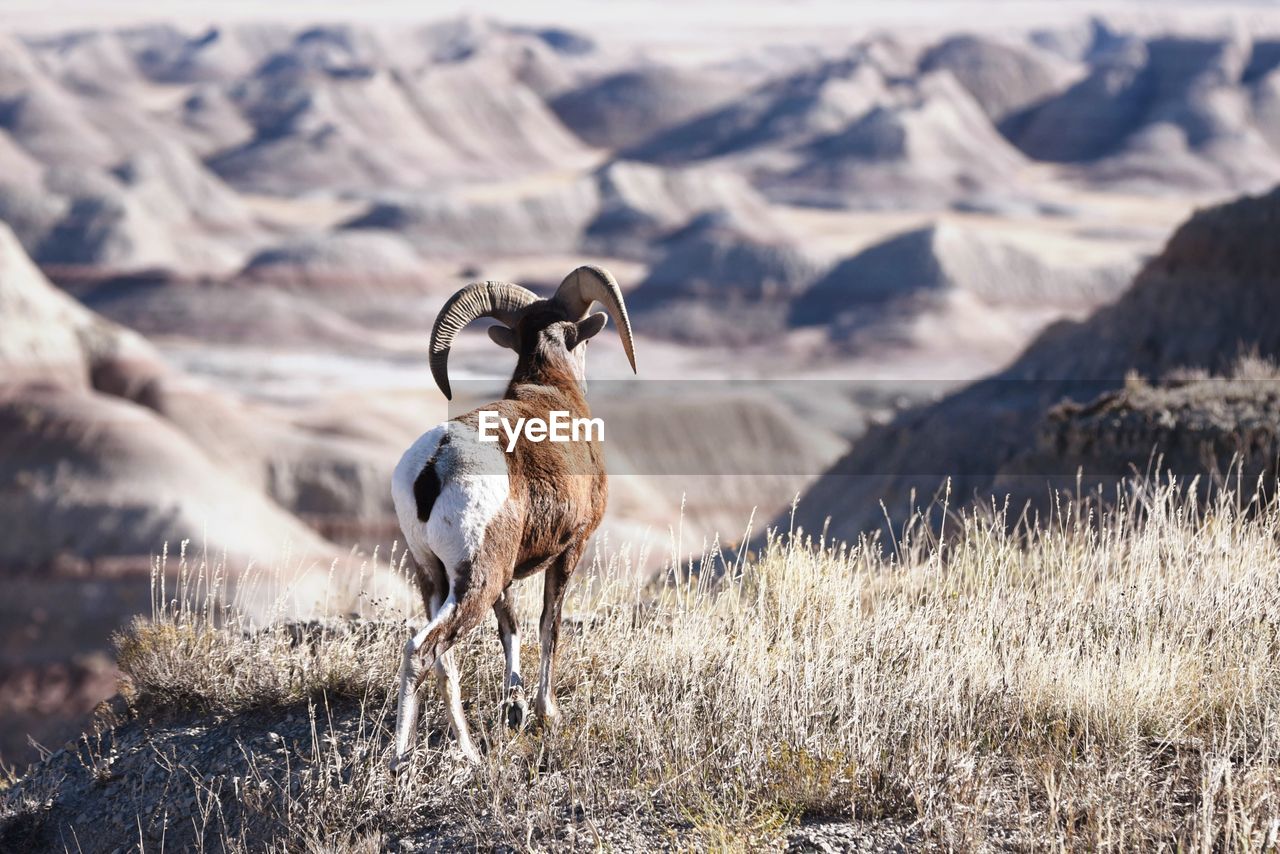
x,y
556,499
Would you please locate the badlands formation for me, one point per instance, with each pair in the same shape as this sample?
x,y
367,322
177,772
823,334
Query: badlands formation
x,y
223,247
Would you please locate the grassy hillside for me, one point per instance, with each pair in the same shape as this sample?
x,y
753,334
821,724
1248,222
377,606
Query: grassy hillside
x,y
1103,679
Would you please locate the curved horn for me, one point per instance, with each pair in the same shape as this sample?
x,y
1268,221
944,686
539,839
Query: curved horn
x,y
502,301
589,284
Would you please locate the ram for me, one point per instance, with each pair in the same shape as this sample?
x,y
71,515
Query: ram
x,y
475,517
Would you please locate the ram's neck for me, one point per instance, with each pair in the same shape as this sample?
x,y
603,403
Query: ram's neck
x,y
551,376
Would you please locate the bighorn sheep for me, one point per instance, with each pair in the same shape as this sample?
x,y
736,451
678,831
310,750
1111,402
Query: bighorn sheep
x,y
475,516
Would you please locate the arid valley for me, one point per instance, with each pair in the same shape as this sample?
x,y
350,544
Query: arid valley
x,y
877,262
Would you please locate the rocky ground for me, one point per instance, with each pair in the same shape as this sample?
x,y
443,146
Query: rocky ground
x,y
180,780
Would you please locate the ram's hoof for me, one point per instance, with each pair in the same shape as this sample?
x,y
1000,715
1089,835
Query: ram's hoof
x,y
517,709
549,713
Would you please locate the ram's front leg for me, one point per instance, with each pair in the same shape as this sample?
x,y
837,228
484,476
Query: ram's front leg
x,y
517,707
553,590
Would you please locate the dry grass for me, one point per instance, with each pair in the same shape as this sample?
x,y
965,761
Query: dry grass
x,y
1102,681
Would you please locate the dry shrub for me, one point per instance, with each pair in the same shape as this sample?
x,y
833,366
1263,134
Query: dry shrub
x,y
1101,680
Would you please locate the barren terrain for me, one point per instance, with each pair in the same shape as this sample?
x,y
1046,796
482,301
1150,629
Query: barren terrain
x,y
874,254
1080,685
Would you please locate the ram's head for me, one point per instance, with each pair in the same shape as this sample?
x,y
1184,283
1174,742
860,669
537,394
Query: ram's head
x,y
534,327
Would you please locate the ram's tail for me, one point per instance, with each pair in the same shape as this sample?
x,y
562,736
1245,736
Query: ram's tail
x,y
426,488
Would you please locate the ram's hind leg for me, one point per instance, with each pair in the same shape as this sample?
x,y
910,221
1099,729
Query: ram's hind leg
x,y
466,608
413,670
448,683
451,691
469,600
431,583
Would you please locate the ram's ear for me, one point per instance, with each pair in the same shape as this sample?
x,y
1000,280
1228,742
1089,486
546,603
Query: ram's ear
x,y
588,327
502,336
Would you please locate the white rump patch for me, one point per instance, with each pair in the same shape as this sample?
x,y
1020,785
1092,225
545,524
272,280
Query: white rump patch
x,y
402,480
474,487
